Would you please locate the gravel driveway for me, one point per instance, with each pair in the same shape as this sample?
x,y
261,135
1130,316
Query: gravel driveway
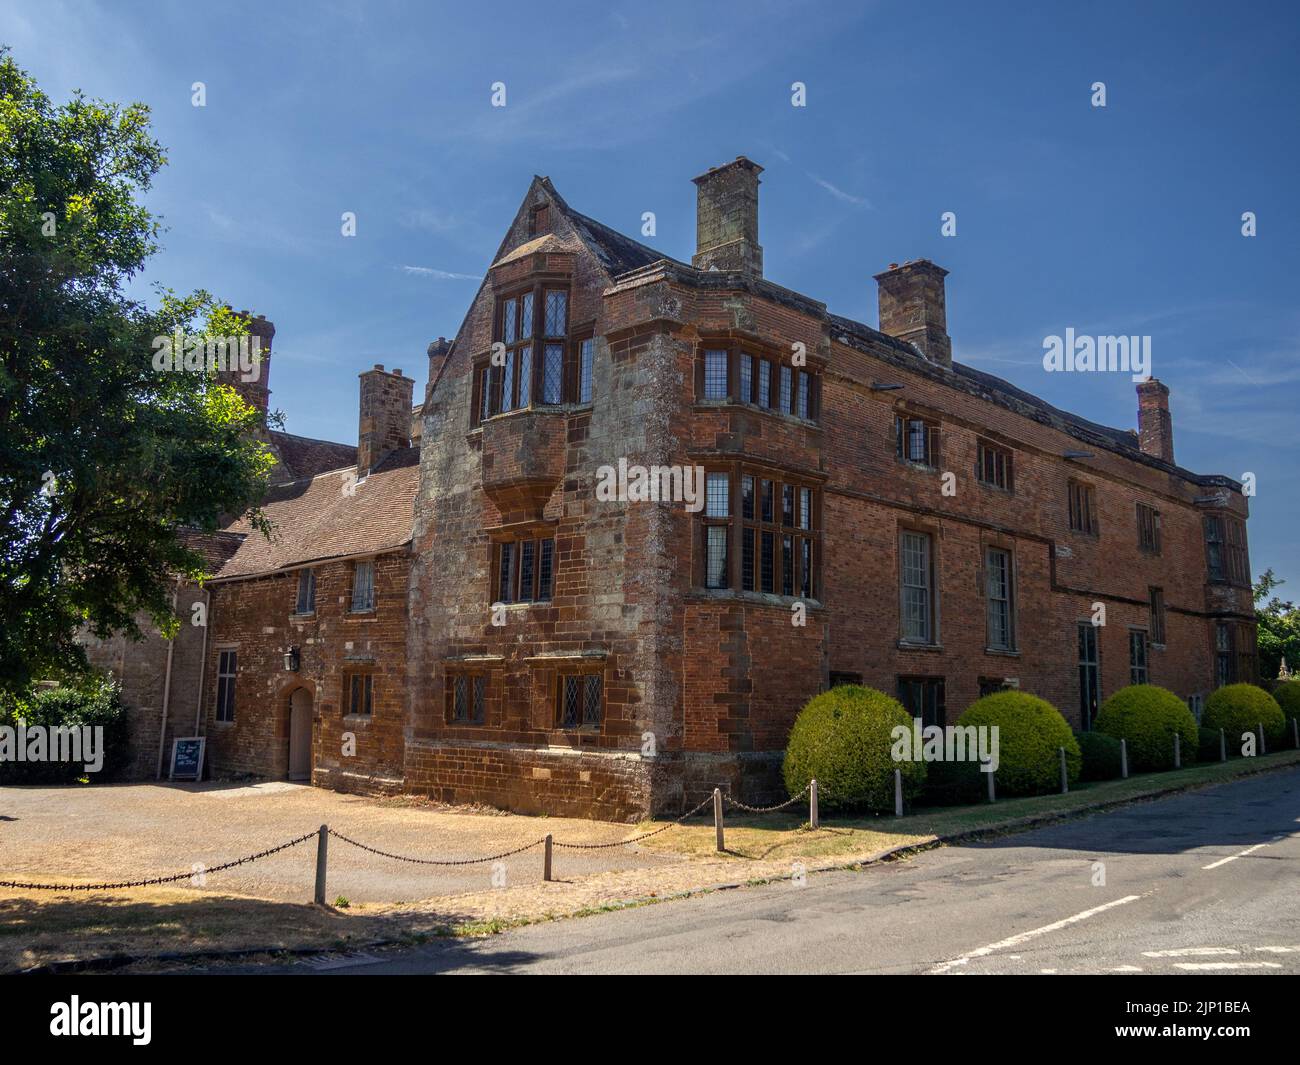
x,y
128,831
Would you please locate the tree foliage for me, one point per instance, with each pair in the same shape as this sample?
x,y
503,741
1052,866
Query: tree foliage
x,y
103,459
1279,628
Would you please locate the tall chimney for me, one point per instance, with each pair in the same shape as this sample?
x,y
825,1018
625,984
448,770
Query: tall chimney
x,y
385,423
913,307
726,218
257,392
1155,427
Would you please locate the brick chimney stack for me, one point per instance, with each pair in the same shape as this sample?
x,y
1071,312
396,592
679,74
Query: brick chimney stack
x,y
385,424
913,307
726,218
1155,427
256,393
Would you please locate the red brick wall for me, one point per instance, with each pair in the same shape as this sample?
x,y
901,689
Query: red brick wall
x,y
256,617
717,678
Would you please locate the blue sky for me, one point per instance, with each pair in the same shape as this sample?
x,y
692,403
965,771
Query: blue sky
x,y
1122,220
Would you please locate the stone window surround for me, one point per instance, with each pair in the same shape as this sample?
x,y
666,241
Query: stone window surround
x,y
935,642
759,350
737,468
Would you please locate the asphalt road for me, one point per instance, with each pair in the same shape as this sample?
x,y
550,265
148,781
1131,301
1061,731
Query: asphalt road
x,y
1204,882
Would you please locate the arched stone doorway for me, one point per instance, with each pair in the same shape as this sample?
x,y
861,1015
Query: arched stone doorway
x,y
300,714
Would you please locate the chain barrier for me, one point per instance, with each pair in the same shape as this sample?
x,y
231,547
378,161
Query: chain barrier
x,y
436,861
148,882
448,862
634,839
770,809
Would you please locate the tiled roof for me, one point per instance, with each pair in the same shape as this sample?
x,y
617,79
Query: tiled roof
x,y
217,548
301,456
331,515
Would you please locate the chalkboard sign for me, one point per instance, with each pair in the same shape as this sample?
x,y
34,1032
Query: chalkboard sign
x,y
187,758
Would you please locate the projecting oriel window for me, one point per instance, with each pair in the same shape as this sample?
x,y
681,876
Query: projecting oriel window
x,y
586,355
715,375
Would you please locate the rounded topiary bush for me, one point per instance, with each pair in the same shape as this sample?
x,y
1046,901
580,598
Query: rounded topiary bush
x,y
1287,694
1031,732
1101,756
1239,708
1147,716
842,737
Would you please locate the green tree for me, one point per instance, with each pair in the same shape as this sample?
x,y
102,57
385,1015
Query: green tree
x,y
103,459
1279,628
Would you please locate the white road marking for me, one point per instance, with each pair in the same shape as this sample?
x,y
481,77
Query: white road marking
x,y
1280,950
1203,965
1127,969
1024,937
1184,952
1234,857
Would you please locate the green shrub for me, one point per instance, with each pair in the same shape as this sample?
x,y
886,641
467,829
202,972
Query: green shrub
x,y
1238,708
1101,756
842,738
1208,749
1287,694
1031,732
1147,716
954,784
96,702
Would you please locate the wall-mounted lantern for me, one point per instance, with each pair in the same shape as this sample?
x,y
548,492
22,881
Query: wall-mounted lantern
x,y
291,660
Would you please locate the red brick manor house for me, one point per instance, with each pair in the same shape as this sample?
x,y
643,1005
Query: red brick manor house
x,y
461,606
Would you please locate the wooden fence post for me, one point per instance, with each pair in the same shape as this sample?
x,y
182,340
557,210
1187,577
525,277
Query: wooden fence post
x,y
1123,759
546,861
812,805
322,851
1223,746
1262,748
717,818
898,793
1065,774
992,788
1178,751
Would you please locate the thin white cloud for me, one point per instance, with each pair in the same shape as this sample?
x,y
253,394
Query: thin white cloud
x,y
838,193
440,275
